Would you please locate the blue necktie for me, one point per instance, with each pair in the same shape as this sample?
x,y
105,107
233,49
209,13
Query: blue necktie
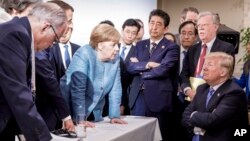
x,y
196,138
209,95
123,52
153,47
66,56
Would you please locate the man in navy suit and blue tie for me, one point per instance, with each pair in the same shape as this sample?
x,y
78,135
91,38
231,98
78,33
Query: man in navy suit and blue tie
x,y
61,53
219,107
49,101
130,29
154,65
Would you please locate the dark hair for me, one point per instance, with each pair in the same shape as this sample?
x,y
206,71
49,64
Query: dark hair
x,y
162,14
131,22
171,34
107,22
185,10
188,22
63,5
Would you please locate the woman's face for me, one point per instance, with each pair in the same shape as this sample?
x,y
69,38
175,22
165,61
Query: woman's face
x,y
108,50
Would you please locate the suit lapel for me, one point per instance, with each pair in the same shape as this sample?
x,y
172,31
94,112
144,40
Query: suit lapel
x,y
217,96
130,53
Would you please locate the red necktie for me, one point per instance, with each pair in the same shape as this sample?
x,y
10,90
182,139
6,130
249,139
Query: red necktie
x,y
201,61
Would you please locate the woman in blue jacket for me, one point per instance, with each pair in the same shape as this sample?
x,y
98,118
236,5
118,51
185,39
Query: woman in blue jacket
x,y
93,73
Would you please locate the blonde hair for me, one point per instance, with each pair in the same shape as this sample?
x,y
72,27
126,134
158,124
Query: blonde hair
x,y
102,33
225,60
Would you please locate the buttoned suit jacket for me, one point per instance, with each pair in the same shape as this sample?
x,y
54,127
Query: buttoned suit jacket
x,y
160,85
126,77
226,111
16,99
192,57
49,100
56,59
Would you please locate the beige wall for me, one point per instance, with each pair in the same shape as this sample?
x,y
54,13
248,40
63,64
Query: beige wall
x,y
231,14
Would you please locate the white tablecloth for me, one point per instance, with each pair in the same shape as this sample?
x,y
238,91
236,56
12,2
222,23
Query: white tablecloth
x,y
137,129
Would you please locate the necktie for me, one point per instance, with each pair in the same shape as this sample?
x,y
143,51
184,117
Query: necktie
x,y
153,44
201,60
196,138
209,95
123,52
66,56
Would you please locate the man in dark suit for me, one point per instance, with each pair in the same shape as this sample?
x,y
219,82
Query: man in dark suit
x,y
219,106
18,39
130,29
61,53
155,68
49,101
208,24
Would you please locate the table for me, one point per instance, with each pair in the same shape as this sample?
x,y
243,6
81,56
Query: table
x,y
137,129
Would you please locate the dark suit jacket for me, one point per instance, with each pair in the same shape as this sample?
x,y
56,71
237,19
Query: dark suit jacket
x,y
191,60
225,112
126,77
49,100
15,72
160,85
57,60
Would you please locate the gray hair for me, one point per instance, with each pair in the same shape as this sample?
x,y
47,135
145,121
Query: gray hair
x,y
215,16
49,12
19,5
225,60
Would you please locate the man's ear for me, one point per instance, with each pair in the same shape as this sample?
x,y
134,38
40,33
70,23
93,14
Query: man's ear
x,y
45,26
166,29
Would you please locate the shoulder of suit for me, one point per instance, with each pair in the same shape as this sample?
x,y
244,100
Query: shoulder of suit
x,y
74,44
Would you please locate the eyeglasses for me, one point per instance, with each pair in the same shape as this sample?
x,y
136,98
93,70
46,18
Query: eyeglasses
x,y
57,37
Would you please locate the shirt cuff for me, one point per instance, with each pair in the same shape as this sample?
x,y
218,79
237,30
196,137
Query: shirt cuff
x,y
186,89
67,118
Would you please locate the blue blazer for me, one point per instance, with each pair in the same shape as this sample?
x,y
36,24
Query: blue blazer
x,y
88,80
160,84
16,101
244,78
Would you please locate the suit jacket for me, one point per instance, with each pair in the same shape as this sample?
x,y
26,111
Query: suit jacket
x,y
88,80
16,100
192,57
49,100
126,77
225,112
160,85
57,60
244,78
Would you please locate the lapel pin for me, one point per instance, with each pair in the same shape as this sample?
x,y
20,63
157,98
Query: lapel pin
x,y
162,47
218,94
